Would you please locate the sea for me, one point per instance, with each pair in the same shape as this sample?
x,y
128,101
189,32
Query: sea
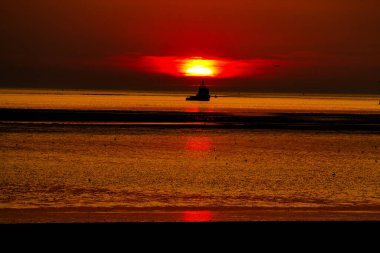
x,y
71,164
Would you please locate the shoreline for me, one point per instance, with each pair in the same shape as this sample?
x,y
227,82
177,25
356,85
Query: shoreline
x,y
122,214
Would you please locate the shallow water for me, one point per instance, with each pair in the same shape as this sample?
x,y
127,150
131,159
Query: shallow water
x,y
73,166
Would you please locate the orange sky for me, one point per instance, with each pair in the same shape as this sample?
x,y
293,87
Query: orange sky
x,y
295,45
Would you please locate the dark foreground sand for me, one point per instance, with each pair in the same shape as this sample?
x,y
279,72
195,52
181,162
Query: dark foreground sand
x,y
94,215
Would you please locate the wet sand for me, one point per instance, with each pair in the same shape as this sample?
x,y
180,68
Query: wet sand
x,y
96,215
37,120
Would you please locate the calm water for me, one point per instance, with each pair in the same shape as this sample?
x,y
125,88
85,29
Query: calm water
x,y
97,166
244,103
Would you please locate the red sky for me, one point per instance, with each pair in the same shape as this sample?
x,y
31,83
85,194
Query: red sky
x,y
295,45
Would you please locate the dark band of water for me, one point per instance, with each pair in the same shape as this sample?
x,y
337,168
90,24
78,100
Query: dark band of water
x,y
291,121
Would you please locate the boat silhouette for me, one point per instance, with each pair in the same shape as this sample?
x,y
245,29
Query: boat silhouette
x,y
203,93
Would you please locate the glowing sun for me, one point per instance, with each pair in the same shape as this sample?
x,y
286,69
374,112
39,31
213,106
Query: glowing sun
x,y
198,66
198,71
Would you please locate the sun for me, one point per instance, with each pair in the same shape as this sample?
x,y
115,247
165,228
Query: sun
x,y
198,66
198,70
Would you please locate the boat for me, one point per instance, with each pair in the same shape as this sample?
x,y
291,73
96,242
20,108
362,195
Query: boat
x,y
203,94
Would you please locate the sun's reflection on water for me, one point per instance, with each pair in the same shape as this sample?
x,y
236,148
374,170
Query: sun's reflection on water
x,y
195,109
197,216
